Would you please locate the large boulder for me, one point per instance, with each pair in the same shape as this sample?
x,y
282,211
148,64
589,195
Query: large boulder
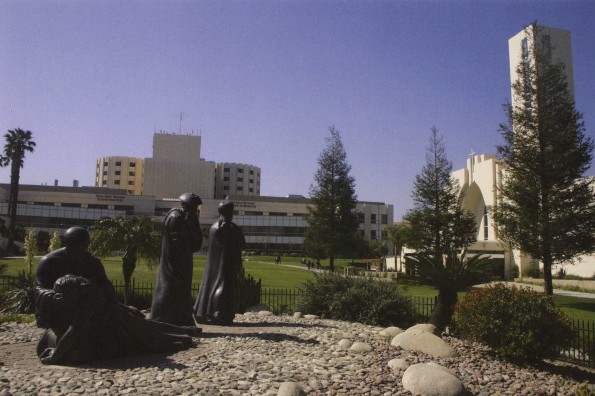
x,y
427,327
390,331
290,389
424,342
432,379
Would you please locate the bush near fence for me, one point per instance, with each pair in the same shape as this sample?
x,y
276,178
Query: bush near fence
x,y
283,300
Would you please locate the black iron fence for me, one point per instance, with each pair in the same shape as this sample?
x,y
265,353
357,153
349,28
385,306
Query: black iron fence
x,y
285,300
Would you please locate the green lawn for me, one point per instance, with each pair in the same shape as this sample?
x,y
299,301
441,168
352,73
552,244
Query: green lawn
x,y
286,276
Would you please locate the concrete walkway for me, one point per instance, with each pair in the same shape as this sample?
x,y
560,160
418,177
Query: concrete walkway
x,y
557,292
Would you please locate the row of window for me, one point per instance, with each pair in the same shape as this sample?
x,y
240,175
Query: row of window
x,y
119,163
117,173
240,170
374,219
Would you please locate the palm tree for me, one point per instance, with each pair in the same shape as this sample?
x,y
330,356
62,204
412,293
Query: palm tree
x,y
449,275
18,142
133,235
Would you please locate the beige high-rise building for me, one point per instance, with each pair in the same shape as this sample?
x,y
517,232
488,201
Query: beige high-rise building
x,y
176,168
237,179
125,173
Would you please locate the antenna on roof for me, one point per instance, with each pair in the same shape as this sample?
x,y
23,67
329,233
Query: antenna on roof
x,y
181,116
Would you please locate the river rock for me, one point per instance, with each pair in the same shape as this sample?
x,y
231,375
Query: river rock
x,y
432,379
425,342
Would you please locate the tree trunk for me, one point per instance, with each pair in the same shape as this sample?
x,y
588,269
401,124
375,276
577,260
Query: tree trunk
x,y
548,284
13,201
128,266
445,308
331,264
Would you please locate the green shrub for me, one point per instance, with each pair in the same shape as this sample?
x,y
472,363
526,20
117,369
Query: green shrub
x,y
517,323
18,318
354,299
514,271
20,297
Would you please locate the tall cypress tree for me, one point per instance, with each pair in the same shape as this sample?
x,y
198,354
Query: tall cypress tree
x,y
547,208
438,224
332,220
439,229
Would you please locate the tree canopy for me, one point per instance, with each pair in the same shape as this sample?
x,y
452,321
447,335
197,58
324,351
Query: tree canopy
x,y
332,220
18,143
548,207
133,235
438,224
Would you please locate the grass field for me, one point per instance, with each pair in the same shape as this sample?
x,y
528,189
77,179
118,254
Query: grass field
x,y
286,276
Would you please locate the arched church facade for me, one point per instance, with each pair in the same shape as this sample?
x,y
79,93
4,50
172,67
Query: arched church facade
x,y
479,182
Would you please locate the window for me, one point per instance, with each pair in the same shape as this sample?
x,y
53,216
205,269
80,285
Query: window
x,y
225,188
226,170
373,234
118,173
131,182
226,178
116,181
118,163
240,179
103,183
104,163
251,190
104,173
131,173
251,172
373,219
485,224
361,217
240,170
132,164
384,219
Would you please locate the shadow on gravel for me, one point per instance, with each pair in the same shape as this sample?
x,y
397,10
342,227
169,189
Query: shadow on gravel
x,y
277,337
568,370
301,325
160,360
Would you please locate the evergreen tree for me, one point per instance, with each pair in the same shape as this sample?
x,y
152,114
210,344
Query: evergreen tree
x,y
55,242
18,142
332,220
439,229
438,224
547,208
30,249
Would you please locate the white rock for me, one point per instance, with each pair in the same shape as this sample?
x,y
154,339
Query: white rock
x,y
432,379
427,327
398,364
345,344
297,315
310,316
360,347
290,389
423,342
390,331
265,313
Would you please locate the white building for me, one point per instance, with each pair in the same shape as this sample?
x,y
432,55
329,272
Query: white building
x,y
270,224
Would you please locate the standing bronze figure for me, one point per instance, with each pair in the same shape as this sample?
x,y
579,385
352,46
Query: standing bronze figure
x,y
215,303
172,299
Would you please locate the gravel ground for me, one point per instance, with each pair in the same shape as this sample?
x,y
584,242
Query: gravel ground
x,y
258,353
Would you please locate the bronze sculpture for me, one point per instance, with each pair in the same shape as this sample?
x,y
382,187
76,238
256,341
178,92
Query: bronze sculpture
x,y
78,306
172,299
215,303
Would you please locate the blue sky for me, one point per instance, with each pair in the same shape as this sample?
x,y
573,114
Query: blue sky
x,y
263,80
